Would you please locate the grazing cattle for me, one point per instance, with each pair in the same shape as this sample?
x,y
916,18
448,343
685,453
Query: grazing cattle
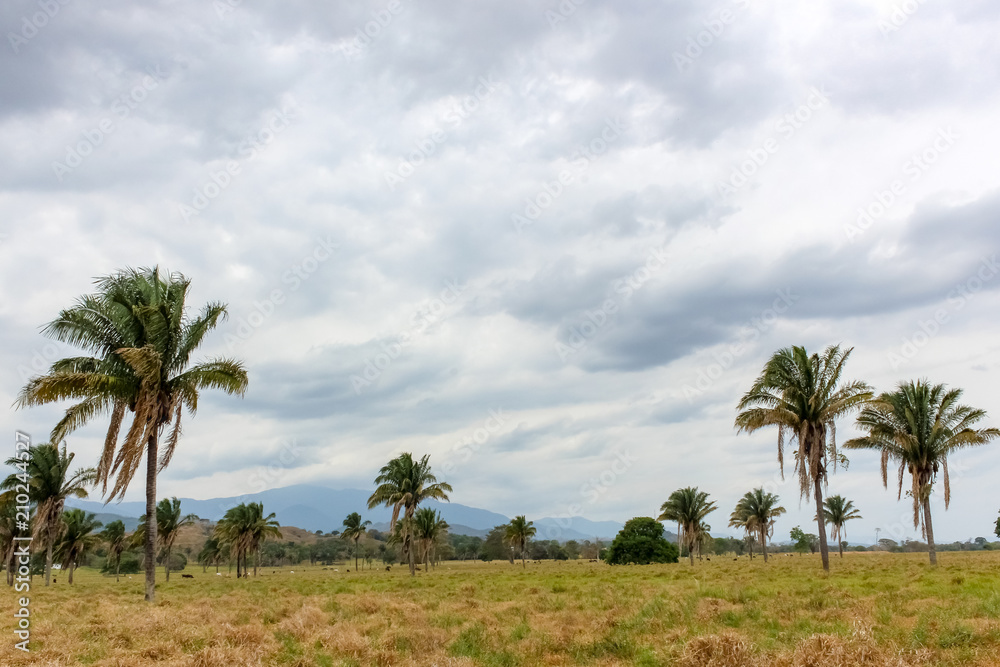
x,y
218,574
54,580
187,576
388,567
707,558
736,559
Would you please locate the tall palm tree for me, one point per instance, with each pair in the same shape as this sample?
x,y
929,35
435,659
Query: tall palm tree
x,y
839,511
803,395
518,532
114,535
688,507
403,484
261,527
429,529
354,530
49,485
918,426
756,513
78,538
137,329
169,522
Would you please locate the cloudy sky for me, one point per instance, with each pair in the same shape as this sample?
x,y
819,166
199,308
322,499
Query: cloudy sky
x,y
549,244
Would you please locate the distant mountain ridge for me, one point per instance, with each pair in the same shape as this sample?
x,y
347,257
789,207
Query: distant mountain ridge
x,y
313,507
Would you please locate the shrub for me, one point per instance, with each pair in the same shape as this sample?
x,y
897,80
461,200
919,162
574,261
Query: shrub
x,y
641,542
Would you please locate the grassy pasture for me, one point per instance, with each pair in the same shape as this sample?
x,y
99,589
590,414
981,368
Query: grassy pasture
x,y
873,609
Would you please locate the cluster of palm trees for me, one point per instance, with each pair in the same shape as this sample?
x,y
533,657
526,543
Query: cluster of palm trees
x,y
49,483
402,484
916,426
242,530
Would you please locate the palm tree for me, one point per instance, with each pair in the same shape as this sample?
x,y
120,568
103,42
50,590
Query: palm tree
x,y
403,484
519,531
78,538
688,507
114,535
137,329
169,522
756,513
429,528
354,529
803,396
8,532
49,485
838,511
213,553
918,426
261,527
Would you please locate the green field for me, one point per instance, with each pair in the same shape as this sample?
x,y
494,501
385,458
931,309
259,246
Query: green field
x,y
874,608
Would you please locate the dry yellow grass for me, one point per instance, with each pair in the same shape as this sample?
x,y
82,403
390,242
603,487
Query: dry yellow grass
x,y
874,609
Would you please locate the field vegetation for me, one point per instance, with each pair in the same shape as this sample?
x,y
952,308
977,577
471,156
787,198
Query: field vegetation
x,y
874,608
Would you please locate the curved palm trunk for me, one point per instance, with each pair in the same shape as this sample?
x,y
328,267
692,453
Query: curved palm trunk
x,y
823,548
149,558
930,531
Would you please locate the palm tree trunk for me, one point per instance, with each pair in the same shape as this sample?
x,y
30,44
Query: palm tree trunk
x,y
71,567
150,547
118,567
823,548
840,544
256,560
48,560
763,544
166,566
930,531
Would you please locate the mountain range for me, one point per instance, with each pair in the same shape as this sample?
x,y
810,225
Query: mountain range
x,y
314,507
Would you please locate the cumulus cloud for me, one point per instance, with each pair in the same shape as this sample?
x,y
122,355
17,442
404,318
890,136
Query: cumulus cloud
x,y
597,219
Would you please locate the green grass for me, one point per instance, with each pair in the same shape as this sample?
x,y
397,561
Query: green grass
x,y
890,606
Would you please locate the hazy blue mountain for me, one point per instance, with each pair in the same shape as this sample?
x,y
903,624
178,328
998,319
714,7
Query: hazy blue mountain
x,y
313,507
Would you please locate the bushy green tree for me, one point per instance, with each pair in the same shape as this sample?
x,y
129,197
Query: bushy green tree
x,y
641,542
